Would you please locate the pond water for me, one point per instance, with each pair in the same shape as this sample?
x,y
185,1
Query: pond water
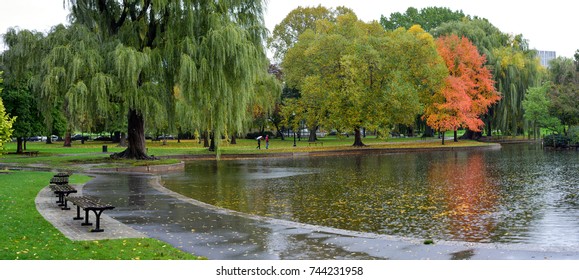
x,y
518,194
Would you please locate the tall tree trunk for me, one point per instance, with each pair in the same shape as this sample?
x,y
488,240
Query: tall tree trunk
x,y
19,145
455,135
442,136
123,140
205,140
136,138
67,140
358,138
313,132
212,143
428,131
279,132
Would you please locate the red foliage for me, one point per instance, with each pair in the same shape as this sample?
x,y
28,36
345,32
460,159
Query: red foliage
x,y
469,90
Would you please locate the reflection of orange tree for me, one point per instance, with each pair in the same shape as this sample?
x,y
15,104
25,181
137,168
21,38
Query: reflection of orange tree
x,y
462,185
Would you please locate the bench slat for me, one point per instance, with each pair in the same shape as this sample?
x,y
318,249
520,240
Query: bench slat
x,y
89,203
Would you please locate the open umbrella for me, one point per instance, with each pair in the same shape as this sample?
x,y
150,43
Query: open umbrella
x,y
258,137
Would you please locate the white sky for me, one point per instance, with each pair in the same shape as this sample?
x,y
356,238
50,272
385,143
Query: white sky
x,y
548,25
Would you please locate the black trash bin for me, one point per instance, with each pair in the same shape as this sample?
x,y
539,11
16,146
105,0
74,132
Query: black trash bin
x,y
105,148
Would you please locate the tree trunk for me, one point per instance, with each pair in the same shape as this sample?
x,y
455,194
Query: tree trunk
x,y
279,131
19,145
123,140
428,131
136,139
67,140
205,140
455,135
212,143
233,139
489,129
313,131
471,135
442,136
358,138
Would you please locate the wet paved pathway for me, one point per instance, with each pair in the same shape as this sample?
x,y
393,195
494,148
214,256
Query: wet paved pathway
x,y
144,205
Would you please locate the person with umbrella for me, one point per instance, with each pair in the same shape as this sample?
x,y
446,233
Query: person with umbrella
x,y
259,142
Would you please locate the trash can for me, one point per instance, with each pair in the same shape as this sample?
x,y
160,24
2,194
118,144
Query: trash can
x,y
105,148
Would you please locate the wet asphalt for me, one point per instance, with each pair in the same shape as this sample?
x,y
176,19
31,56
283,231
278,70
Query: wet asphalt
x,y
144,205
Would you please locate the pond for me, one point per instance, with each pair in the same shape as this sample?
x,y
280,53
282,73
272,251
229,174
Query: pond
x,y
518,194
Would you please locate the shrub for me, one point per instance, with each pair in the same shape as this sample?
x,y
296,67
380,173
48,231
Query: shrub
x,y
574,134
556,141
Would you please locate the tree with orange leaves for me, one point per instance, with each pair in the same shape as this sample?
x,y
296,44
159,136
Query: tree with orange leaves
x,y
469,89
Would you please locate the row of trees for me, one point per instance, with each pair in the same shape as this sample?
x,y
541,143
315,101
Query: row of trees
x,y
188,65
555,104
332,63
353,75
199,66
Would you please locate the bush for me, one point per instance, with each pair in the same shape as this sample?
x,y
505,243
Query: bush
x,y
574,134
556,141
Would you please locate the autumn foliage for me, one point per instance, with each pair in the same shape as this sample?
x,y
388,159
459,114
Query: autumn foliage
x,y
468,91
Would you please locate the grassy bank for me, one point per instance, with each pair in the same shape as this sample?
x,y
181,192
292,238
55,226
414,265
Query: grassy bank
x,y
57,156
27,235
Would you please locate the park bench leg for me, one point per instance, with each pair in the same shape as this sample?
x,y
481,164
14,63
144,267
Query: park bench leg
x,y
60,200
86,222
65,204
78,217
97,228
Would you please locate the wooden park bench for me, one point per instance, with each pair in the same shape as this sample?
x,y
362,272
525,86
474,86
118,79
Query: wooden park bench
x,y
59,180
62,174
89,204
62,191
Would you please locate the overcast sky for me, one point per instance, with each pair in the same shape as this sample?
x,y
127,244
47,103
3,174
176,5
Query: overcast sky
x,y
548,24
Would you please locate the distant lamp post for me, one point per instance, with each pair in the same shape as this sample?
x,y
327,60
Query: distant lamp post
x,y
294,129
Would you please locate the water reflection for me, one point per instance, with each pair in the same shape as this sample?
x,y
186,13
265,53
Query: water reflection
x,y
468,198
518,195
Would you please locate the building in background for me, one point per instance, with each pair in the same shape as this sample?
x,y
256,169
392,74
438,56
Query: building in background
x,y
546,56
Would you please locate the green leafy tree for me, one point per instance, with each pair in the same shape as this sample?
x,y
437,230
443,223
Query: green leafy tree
x,y
536,105
287,32
5,121
150,60
353,74
285,35
19,62
564,92
428,18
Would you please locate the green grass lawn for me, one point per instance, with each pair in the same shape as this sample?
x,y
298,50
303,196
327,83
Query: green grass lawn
x,y
27,235
76,158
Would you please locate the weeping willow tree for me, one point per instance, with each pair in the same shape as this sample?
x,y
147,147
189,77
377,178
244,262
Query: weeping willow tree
x,y
160,61
69,76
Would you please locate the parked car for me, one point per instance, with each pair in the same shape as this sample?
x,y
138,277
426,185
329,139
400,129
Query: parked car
x,y
168,137
78,137
103,138
54,138
36,138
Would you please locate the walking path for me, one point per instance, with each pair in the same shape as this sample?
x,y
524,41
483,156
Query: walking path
x,y
145,208
62,220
